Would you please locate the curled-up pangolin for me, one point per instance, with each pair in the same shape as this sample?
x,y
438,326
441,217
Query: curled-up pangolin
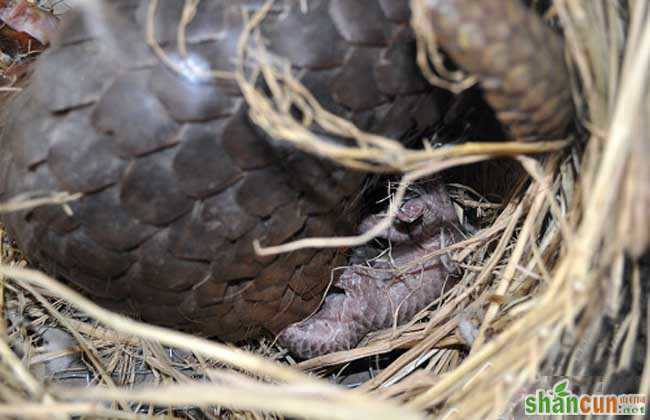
x,y
177,182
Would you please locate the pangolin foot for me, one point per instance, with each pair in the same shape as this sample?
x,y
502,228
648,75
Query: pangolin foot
x,y
390,289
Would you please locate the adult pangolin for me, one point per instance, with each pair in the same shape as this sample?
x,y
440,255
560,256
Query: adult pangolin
x,y
177,182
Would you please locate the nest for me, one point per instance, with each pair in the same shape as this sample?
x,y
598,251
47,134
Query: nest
x,y
553,285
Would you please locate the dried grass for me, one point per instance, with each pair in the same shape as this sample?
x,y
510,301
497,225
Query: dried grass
x,y
556,259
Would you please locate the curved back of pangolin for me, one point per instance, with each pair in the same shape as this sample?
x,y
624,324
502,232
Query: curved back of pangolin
x,y
177,182
518,60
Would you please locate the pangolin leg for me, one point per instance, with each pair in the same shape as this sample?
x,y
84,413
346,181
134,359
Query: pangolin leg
x,y
385,292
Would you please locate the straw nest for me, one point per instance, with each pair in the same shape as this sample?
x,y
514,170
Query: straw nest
x,y
554,282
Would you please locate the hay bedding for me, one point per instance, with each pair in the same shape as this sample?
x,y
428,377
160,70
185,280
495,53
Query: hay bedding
x,y
555,280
